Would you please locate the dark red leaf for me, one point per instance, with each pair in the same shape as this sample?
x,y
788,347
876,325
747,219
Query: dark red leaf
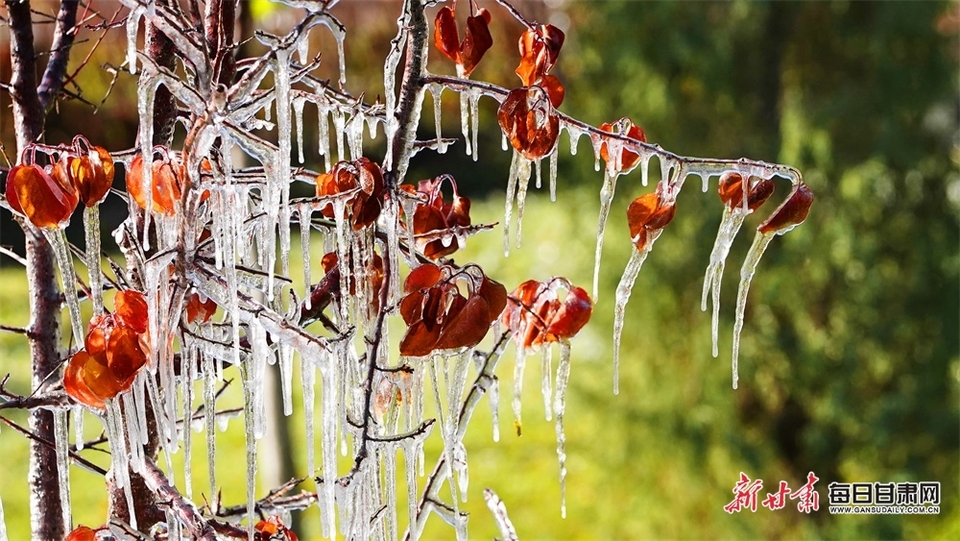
x,y
790,213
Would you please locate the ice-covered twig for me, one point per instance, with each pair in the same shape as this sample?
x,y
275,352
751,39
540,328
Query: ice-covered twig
x,y
499,510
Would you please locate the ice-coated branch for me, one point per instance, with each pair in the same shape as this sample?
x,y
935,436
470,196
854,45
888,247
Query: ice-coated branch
x,y
499,511
184,510
692,165
410,102
442,471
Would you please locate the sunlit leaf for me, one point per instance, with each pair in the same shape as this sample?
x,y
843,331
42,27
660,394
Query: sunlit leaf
x,y
46,200
791,212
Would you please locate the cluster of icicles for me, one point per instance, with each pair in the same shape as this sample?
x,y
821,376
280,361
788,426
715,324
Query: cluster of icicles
x,y
250,211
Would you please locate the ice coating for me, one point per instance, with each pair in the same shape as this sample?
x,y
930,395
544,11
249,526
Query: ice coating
x,y
61,442
58,241
559,408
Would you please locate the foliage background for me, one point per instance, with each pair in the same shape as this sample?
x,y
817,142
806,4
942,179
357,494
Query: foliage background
x,y
850,359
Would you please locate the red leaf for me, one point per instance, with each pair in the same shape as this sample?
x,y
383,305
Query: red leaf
x,y
199,308
362,175
790,213
422,277
45,199
468,325
82,533
476,42
539,48
572,315
731,191
648,213
527,118
445,34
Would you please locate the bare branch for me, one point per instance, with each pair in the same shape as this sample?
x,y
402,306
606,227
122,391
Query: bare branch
x,y
53,76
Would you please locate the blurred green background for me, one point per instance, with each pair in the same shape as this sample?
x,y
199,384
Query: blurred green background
x,y
850,356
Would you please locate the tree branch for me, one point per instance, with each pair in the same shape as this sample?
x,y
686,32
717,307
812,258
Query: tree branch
x,y
63,37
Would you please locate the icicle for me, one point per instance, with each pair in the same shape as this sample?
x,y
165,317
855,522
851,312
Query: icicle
x,y
331,412
622,297
339,125
189,353
539,176
286,377
146,93
249,425
606,198
134,436
729,226
645,168
254,372
760,243
3,523
118,447
503,141
323,137
210,416
343,255
58,240
522,181
436,92
518,387
494,396
305,216
597,142
474,96
340,34
133,25
280,217
354,133
77,416
409,460
559,404
303,49
91,228
574,135
553,173
546,370
390,481
60,438
298,120
465,122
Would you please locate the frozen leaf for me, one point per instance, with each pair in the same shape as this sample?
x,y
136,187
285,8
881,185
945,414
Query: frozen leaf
x,y
47,200
731,191
364,179
436,215
82,533
536,315
131,310
527,118
439,316
167,179
91,172
624,126
199,308
648,213
790,213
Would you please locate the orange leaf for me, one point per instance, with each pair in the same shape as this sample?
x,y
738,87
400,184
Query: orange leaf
x,y
199,308
166,178
790,213
468,325
648,213
362,175
131,310
81,533
422,277
45,199
92,175
75,385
